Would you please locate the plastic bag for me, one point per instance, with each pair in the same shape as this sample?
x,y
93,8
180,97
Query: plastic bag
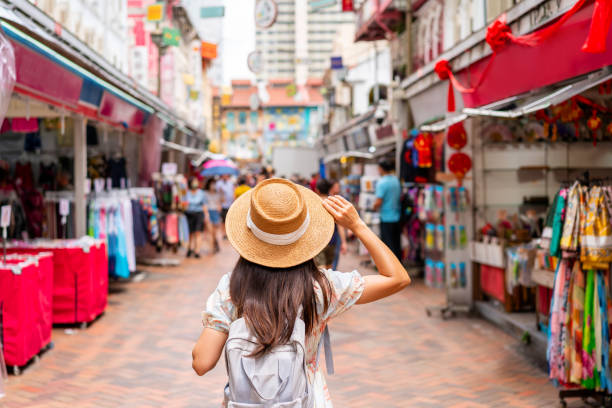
x,y
8,74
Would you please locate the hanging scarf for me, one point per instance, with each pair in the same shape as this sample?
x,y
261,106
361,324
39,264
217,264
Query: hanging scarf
x,y
570,235
595,231
577,317
589,370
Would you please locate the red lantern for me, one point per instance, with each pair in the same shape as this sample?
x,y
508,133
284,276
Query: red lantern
x,y
456,136
459,164
594,123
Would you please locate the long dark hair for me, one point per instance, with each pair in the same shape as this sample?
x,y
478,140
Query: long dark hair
x,y
269,299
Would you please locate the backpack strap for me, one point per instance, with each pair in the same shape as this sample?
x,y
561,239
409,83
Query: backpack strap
x,y
329,358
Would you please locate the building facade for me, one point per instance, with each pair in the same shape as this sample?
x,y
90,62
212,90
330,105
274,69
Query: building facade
x,y
299,44
101,24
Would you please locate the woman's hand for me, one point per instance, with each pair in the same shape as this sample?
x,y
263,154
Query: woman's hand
x,y
343,212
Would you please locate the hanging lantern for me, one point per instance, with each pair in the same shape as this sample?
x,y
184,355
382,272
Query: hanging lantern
x,y
459,164
609,129
594,123
456,136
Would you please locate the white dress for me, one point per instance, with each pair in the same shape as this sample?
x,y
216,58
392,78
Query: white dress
x,y
346,290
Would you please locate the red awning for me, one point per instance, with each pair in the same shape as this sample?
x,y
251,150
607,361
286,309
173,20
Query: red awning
x,y
517,69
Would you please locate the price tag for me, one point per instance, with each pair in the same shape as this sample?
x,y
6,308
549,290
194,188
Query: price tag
x,y
169,169
64,207
109,184
87,186
5,220
99,185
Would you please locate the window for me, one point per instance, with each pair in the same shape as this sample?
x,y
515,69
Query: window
x,y
254,118
242,117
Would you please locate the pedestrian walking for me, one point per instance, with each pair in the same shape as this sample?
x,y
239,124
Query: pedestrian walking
x,y
242,187
328,258
213,199
225,186
388,192
196,214
277,296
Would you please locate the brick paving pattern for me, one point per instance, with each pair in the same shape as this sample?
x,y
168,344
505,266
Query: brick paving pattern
x,y
387,354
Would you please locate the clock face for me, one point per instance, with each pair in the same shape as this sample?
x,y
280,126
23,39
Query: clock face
x,y
265,13
255,62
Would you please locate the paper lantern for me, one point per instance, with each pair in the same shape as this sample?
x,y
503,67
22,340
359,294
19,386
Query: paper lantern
x,y
456,136
459,164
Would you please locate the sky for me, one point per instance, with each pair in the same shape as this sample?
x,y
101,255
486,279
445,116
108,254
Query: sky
x,y
238,39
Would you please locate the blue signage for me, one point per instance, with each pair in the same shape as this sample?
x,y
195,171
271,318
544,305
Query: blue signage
x,y
336,63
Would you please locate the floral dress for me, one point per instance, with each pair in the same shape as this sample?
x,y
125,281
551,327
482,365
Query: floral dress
x,y
347,288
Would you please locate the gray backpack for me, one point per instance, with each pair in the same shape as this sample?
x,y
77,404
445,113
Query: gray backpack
x,y
277,379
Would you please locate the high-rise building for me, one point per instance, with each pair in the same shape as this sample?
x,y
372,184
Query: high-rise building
x,y
299,44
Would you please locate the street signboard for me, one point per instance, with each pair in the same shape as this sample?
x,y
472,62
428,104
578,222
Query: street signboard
x,y
171,36
336,63
208,50
155,12
212,12
348,5
319,4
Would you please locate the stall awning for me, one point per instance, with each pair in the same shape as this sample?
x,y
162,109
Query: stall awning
x,y
350,125
352,153
517,69
81,76
531,102
181,148
544,98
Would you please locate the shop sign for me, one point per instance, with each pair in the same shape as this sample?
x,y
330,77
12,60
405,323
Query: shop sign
x,y
208,50
320,4
383,132
266,12
212,12
336,63
171,36
139,64
155,12
169,169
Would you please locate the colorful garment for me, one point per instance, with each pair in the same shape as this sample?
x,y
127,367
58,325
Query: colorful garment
x,y
346,290
555,352
595,231
589,371
570,235
557,224
577,326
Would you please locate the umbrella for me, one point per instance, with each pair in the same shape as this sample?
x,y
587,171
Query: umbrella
x,y
219,167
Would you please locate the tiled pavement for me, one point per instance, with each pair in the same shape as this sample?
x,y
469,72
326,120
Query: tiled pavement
x,y
387,354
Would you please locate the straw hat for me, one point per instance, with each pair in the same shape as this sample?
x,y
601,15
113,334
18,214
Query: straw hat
x,y
279,224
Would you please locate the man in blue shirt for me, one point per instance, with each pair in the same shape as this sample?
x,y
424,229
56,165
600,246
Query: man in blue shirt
x,y
388,192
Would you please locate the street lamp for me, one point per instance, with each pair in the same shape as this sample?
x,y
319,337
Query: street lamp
x,y
158,39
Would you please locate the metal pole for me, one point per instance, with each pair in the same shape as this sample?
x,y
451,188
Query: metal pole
x,y
80,175
376,88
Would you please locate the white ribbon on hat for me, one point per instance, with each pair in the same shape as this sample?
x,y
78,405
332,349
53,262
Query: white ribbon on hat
x,y
278,239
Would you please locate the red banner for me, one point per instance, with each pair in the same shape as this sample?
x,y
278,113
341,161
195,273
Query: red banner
x,y
561,54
